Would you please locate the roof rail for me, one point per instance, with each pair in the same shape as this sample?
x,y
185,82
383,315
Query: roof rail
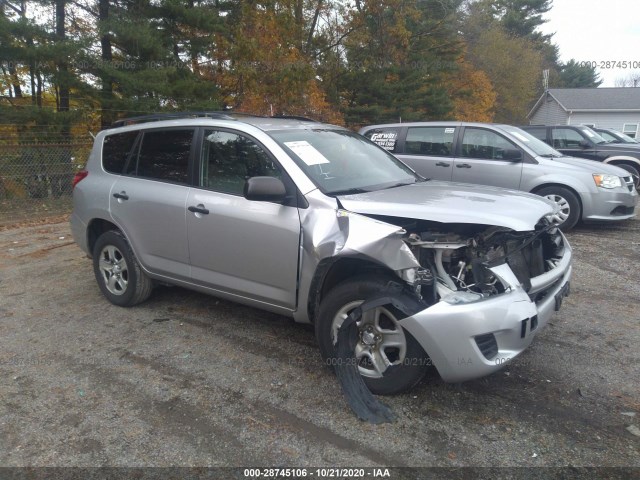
x,y
226,115
294,117
156,117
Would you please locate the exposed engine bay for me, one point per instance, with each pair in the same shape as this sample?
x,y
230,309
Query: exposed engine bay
x,y
456,259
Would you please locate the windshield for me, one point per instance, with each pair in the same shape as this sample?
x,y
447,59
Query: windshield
x,y
536,145
625,138
594,136
342,162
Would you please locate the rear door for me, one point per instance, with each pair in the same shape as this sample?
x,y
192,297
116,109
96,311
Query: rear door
x,y
148,201
429,151
246,248
486,157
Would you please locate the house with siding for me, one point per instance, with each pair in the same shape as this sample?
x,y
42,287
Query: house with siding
x,y
614,108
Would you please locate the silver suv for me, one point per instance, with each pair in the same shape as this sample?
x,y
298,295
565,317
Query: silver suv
x,y
506,156
309,220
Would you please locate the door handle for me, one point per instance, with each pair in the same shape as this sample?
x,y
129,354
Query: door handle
x,y
121,196
199,209
463,165
442,164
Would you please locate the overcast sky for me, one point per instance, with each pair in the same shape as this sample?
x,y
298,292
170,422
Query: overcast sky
x,y
597,30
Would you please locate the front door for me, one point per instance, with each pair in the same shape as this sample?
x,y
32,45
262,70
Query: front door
x,y
488,158
246,248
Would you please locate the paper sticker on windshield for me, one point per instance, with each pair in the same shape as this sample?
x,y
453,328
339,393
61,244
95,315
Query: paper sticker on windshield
x,y
307,153
385,140
519,136
588,133
449,130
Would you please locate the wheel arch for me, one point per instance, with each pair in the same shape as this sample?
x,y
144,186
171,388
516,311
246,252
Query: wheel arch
x,y
333,271
97,227
536,189
615,160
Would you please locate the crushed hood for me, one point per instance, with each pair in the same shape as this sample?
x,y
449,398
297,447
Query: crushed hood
x,y
447,202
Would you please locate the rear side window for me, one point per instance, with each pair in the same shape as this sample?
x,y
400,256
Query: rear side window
x,y
386,138
436,141
116,149
164,155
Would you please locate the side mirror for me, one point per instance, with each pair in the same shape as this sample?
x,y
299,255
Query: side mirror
x,y
512,154
264,189
584,144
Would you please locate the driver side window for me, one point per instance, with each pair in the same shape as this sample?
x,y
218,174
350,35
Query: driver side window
x,y
484,144
566,138
229,159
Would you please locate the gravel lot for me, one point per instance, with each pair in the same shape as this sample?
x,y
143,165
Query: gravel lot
x,y
187,379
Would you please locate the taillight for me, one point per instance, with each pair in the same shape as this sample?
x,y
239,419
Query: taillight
x,y
79,176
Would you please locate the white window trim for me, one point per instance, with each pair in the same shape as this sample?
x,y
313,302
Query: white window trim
x,y
631,133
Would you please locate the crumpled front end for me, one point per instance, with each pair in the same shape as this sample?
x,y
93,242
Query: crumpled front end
x,y
494,291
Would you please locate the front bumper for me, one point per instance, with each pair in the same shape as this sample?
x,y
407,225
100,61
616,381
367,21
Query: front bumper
x,y
607,205
453,335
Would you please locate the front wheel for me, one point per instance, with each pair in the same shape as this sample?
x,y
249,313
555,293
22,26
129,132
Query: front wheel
x,y
569,206
118,272
381,342
633,171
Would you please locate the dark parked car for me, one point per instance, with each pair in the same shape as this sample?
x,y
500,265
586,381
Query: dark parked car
x,y
614,136
581,141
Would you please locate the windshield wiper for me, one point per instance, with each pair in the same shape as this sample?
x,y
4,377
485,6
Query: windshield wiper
x,y
551,155
349,191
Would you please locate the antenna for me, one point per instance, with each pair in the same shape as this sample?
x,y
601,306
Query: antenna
x,y
545,79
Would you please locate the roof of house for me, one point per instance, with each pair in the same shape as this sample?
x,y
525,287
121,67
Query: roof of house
x,y
593,99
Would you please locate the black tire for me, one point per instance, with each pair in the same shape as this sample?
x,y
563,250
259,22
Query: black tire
x,y
633,171
410,368
117,271
571,210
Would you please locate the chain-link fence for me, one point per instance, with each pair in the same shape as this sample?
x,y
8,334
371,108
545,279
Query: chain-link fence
x,y
36,179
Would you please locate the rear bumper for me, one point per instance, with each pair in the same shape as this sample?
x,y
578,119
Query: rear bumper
x,y
455,336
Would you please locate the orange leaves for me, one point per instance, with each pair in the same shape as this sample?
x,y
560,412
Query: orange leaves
x,y
472,94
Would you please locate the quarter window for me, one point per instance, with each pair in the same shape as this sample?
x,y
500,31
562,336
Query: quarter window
x,y
229,159
164,155
435,141
566,138
116,149
539,133
485,144
630,129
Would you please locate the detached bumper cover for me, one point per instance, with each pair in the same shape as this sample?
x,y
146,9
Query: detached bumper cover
x,y
453,334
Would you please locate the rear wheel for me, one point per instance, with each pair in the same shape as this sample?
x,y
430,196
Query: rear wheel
x,y
381,343
118,272
569,206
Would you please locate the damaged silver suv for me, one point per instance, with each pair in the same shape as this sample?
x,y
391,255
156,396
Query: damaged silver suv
x,y
310,220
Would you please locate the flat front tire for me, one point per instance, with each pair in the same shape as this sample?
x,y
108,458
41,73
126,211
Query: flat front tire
x,y
118,272
382,341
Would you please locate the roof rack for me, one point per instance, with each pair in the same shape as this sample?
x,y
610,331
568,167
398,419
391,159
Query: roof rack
x,y
226,115
156,117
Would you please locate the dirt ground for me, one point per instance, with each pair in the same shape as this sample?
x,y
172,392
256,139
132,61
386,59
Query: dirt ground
x,y
190,380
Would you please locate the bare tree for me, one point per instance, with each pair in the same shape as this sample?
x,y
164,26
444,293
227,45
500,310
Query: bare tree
x,y
631,80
